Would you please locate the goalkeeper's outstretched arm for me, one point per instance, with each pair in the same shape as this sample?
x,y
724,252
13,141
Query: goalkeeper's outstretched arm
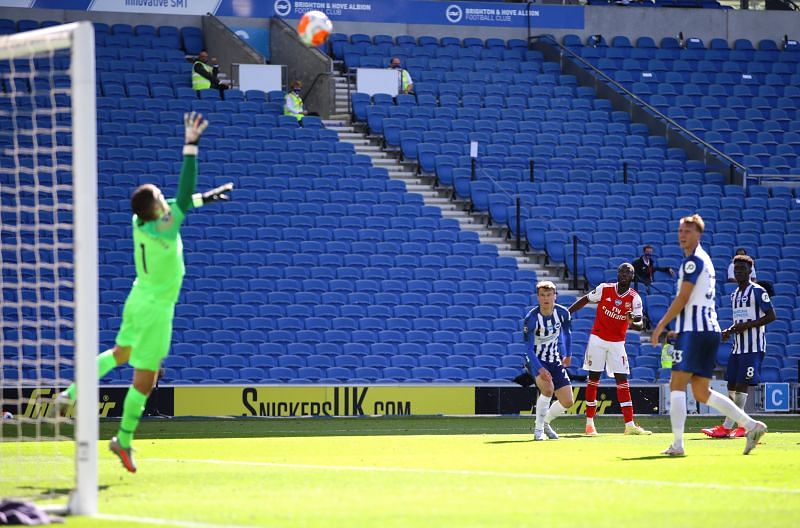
x,y
195,126
218,194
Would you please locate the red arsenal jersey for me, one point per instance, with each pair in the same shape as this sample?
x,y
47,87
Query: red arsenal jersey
x,y
611,323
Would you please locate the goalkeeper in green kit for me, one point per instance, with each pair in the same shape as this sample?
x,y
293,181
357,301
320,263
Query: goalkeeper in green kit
x,y
144,336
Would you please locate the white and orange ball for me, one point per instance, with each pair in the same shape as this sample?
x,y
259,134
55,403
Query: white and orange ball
x,y
314,28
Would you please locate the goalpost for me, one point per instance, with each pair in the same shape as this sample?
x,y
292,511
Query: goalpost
x,y
48,264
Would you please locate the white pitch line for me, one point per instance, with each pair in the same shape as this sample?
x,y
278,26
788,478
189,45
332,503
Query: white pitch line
x,y
498,474
165,522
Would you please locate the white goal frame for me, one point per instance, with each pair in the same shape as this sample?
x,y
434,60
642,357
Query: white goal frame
x,y
78,37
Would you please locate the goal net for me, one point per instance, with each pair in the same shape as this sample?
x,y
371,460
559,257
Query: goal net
x,y
48,265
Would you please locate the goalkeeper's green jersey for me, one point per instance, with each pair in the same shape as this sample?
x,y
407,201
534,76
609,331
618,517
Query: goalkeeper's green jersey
x,y
158,248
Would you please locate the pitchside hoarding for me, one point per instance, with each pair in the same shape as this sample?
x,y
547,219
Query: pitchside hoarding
x,y
352,400
518,400
31,402
375,11
321,400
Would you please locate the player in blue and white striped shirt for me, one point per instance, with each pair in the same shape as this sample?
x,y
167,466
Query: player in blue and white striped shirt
x,y
546,330
698,339
752,311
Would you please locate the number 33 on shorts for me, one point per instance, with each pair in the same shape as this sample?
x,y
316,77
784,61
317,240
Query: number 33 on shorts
x,y
677,355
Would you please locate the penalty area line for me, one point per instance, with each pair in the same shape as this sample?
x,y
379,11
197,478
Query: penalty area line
x,y
164,522
495,474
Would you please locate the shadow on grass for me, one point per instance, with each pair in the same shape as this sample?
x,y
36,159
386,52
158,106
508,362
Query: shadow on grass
x,y
573,435
38,493
650,457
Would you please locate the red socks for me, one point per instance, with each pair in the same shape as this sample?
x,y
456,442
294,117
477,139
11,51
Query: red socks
x,y
624,398
591,398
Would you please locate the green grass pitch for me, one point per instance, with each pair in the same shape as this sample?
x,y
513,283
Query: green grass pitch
x,y
435,472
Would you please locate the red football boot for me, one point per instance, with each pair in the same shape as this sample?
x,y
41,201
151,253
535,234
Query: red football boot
x,y
718,431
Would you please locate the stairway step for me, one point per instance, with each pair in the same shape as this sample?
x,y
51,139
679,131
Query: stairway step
x,y
495,240
446,202
443,207
409,180
458,214
363,150
477,228
476,223
501,247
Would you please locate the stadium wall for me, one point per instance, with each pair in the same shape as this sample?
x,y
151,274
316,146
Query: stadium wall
x,y
607,21
287,400
336,400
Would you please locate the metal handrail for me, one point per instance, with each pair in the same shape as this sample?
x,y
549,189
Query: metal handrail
x,y
528,8
644,103
233,33
349,98
314,83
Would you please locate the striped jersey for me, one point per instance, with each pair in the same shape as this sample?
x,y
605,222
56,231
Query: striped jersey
x,y
545,334
748,305
699,314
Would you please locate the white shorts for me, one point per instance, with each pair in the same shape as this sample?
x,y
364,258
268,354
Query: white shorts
x,y
602,354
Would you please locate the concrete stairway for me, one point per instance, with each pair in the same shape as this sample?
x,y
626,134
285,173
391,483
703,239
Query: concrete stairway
x,y
424,185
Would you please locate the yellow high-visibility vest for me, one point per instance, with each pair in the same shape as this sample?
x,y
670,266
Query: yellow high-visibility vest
x,y
198,81
293,106
405,80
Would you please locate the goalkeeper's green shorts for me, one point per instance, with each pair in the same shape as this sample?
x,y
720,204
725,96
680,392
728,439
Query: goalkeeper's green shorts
x,y
147,329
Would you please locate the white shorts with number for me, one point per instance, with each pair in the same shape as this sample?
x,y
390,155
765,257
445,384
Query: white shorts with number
x,y
608,355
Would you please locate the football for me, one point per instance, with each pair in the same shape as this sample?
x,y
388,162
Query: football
x,y
314,28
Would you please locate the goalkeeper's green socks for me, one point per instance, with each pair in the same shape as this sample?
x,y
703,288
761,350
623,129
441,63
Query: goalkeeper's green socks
x,y
105,362
132,411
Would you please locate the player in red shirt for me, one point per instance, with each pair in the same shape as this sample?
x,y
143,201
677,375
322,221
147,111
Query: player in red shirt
x,y
618,306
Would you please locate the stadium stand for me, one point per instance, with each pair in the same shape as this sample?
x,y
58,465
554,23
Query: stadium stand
x,y
578,147
323,270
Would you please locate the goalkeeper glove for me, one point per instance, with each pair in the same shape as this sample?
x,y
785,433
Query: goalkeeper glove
x,y
220,194
195,126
